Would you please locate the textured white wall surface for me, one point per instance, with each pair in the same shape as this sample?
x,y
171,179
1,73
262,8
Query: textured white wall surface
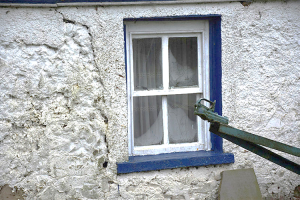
x,y
63,103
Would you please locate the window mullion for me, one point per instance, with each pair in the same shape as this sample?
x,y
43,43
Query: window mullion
x,y
165,69
165,119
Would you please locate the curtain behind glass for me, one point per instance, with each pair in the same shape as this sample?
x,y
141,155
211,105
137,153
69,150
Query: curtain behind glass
x,y
182,121
147,69
148,123
183,61
183,68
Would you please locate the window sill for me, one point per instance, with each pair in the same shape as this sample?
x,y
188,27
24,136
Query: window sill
x,y
173,160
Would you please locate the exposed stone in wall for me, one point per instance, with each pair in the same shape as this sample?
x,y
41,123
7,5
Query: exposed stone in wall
x,y
63,104
53,121
187,183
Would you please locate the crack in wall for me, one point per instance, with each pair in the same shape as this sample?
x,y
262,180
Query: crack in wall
x,y
65,20
36,45
51,71
74,123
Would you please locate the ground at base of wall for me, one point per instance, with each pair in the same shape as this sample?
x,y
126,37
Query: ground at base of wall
x,y
9,193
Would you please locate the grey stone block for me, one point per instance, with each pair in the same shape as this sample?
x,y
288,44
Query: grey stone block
x,y
239,184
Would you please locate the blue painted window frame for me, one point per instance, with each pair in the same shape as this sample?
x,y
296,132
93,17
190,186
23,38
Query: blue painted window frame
x,y
196,158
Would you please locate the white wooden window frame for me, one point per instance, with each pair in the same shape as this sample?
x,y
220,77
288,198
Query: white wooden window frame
x,y
164,30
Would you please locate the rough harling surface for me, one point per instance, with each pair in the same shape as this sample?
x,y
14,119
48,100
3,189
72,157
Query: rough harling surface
x,y
63,105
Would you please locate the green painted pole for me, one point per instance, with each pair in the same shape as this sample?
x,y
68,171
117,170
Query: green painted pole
x,y
257,149
246,140
259,140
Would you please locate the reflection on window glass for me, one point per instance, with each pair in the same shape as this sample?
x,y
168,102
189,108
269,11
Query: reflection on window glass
x,y
183,61
147,67
148,123
182,121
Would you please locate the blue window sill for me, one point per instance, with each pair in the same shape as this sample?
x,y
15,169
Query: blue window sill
x,y
173,160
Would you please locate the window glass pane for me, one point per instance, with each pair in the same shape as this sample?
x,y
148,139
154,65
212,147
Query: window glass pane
x,y
183,61
148,124
147,69
181,119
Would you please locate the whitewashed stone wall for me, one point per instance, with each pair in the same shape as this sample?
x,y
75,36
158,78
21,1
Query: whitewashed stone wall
x,y
63,111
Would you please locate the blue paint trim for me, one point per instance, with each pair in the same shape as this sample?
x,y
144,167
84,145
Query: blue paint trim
x,y
198,158
215,59
175,18
125,44
173,160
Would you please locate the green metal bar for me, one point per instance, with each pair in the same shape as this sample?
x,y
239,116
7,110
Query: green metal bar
x,y
259,140
257,149
247,140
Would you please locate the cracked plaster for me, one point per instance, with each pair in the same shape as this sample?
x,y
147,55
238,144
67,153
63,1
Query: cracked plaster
x,y
63,112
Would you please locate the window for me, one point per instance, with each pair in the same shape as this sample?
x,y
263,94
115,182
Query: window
x,y
171,62
167,73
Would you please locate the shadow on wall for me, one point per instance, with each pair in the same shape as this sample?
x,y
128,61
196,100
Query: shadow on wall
x,y
8,193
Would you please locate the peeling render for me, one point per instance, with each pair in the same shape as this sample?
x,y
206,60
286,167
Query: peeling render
x,y
63,105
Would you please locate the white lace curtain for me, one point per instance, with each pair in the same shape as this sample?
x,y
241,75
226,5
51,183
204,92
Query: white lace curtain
x,y
147,62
